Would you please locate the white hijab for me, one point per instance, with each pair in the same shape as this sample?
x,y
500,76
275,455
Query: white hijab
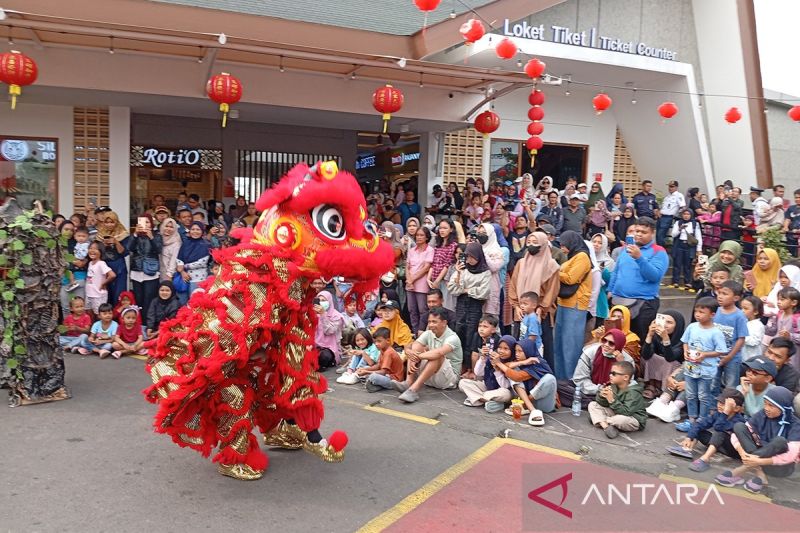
x,y
793,273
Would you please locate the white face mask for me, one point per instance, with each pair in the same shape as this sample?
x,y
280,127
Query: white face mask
x,y
388,277
325,305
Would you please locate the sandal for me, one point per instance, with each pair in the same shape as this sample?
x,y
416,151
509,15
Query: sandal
x,y
536,418
698,465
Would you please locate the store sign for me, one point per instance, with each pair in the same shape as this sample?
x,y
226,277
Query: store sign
x,y
586,39
367,161
400,159
18,150
158,158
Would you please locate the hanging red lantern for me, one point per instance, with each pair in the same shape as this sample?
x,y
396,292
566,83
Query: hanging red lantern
x,y
534,143
472,30
387,100
535,128
535,68
487,122
535,113
601,102
17,70
794,113
536,97
427,5
733,115
502,173
505,49
668,110
225,90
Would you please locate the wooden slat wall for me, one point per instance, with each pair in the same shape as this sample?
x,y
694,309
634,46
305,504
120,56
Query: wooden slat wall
x,y
463,155
91,154
625,171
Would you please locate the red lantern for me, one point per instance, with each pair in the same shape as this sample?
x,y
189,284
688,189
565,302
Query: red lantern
x,y
487,122
668,109
17,70
601,102
534,143
387,100
535,68
505,49
535,128
225,90
536,97
427,5
733,115
536,113
502,173
794,113
472,30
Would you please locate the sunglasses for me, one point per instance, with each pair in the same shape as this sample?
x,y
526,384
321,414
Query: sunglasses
x,y
609,342
615,373
756,372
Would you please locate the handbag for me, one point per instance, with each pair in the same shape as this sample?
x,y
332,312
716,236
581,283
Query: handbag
x,y
568,291
150,266
179,283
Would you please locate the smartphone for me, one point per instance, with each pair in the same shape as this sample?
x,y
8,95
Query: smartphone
x,y
612,323
702,259
629,240
141,222
661,320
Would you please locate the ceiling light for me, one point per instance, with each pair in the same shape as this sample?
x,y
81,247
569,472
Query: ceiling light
x,y
111,45
519,63
402,62
633,98
2,14
453,14
420,81
222,39
280,65
200,57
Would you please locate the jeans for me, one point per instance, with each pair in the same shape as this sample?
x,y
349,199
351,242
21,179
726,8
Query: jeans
x,y
682,257
698,396
727,376
547,341
145,292
568,347
776,446
89,346
662,228
72,342
418,310
380,380
543,394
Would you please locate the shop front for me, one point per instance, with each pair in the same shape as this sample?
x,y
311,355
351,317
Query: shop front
x,y
509,159
29,171
386,167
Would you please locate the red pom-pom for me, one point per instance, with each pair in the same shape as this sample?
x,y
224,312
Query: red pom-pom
x,y
338,440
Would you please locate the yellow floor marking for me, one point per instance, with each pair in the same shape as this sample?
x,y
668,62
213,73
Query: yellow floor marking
x,y
401,414
139,357
728,490
417,498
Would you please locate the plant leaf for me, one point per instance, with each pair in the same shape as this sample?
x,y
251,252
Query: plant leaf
x,y
3,260
3,234
17,245
19,349
8,296
11,364
19,284
26,259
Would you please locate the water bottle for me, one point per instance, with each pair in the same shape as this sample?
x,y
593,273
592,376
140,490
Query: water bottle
x,y
576,402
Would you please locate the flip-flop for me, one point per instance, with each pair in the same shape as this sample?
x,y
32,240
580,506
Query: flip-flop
x,y
680,451
536,418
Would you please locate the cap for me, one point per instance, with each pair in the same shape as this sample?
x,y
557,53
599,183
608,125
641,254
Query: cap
x,y
575,196
509,183
762,363
756,189
672,183
548,229
183,206
437,187
161,209
390,305
582,185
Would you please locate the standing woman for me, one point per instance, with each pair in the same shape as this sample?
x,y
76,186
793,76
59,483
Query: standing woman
x,y
170,246
145,249
596,194
240,208
115,239
470,286
497,261
621,224
444,252
573,303
537,272
598,219
194,259
418,263
458,199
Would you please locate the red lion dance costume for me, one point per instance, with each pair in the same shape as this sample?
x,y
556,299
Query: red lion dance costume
x,y
241,354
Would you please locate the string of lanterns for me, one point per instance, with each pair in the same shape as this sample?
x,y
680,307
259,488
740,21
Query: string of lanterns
x,y
17,70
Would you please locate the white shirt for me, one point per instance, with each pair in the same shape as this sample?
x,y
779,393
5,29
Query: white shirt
x,y
760,205
673,203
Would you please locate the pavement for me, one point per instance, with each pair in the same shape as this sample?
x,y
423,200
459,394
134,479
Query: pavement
x,y
93,463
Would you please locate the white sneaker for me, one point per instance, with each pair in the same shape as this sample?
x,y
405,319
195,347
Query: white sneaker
x,y
670,413
348,378
656,408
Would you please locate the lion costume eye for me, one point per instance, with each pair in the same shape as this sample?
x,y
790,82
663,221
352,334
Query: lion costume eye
x,y
328,221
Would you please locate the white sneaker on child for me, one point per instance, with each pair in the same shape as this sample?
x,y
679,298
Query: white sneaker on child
x,y
670,413
348,378
656,408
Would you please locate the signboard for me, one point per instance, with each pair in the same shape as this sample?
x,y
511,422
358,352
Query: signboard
x,y
158,158
590,38
398,159
29,170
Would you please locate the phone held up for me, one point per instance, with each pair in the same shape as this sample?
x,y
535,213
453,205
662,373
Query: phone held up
x,y
629,240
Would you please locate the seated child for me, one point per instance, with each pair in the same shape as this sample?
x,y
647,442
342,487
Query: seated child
x,y
759,375
668,406
101,334
389,367
352,322
78,325
128,339
714,431
786,323
490,388
162,308
487,333
533,381
126,299
619,405
80,252
364,355
768,443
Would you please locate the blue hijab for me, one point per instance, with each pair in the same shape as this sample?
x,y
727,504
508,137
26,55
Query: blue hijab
x,y
501,239
194,249
617,188
786,425
537,370
489,379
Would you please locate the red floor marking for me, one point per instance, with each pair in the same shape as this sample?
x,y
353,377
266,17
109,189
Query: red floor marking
x,y
490,497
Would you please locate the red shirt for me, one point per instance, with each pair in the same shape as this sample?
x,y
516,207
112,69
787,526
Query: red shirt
x,y
83,321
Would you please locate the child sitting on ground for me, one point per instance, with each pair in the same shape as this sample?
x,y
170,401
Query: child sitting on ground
x,y
487,333
364,355
668,406
162,308
759,377
533,381
352,321
126,299
78,325
530,327
753,309
128,339
490,388
714,431
619,405
80,252
102,332
768,443
389,367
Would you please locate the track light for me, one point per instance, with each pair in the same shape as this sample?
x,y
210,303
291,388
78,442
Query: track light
x,y
421,85
10,36
200,57
402,62
519,63
222,39
280,65
633,98
700,100
111,45
453,13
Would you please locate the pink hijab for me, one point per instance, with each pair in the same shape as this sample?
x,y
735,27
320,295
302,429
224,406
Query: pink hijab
x,y
329,327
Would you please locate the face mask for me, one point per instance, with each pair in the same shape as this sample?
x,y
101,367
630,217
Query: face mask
x,y
388,277
534,249
483,239
325,305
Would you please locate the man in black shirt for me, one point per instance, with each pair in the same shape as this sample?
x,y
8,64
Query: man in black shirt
x,y
780,351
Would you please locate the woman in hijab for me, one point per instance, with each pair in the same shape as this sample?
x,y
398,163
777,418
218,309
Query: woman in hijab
x,y
162,308
596,194
601,252
618,188
598,219
400,333
545,185
429,222
633,344
593,367
768,443
621,224
764,275
662,351
458,199
328,334
410,239
470,285
116,238
727,258
194,258
490,387
573,302
171,245
537,272
496,259
391,234
789,276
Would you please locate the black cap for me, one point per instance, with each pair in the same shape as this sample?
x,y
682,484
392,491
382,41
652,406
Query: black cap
x,y
756,189
437,187
390,305
762,363
547,229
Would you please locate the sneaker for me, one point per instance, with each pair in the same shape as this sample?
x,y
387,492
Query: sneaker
x,y
689,288
399,386
72,286
342,369
656,408
116,354
409,396
727,479
75,349
611,432
680,451
684,426
83,351
698,465
349,378
754,485
671,413
103,353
